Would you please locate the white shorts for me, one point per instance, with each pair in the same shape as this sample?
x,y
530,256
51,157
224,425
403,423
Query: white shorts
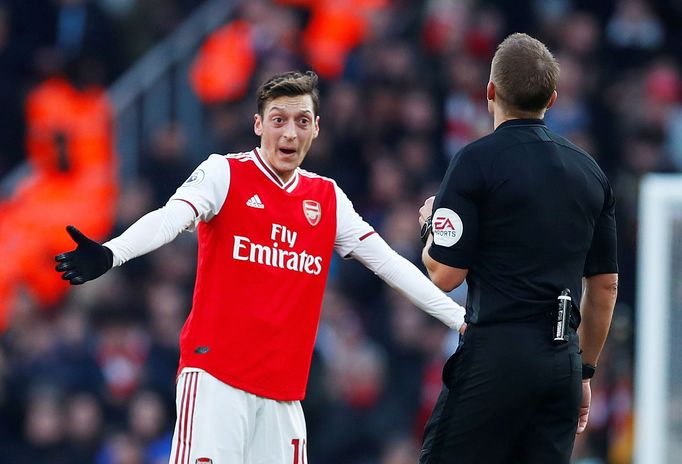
x,y
220,424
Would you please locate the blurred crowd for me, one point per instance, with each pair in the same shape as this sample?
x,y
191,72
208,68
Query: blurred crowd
x,y
90,377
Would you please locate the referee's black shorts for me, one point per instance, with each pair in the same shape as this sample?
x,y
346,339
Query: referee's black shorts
x,y
510,396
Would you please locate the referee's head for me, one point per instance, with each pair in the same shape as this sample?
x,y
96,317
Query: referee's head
x,y
524,76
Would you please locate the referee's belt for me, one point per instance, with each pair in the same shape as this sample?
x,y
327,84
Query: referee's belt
x,y
548,317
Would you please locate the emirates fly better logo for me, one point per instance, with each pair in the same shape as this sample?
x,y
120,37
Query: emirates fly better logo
x,y
447,227
282,253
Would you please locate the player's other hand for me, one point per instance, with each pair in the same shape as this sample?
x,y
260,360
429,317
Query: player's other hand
x,y
87,262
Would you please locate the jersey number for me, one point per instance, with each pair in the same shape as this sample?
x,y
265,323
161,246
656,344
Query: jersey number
x,y
299,450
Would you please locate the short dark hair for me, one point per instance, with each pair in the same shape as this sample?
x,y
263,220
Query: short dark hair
x,y
292,83
525,73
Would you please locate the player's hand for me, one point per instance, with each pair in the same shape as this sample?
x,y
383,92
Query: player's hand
x,y
426,210
87,262
585,407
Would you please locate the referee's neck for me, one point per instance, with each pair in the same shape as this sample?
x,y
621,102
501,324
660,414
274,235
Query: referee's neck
x,y
500,116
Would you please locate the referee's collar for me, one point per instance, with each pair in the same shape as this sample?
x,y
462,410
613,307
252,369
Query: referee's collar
x,y
521,122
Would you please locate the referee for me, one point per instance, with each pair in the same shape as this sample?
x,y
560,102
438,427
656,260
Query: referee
x,y
527,218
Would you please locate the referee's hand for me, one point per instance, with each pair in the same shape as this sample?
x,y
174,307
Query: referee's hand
x,y
87,262
426,210
585,406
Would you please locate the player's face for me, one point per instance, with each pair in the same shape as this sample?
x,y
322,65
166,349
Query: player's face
x,y
287,129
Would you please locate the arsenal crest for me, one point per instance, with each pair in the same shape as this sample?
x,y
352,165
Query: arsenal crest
x,y
312,211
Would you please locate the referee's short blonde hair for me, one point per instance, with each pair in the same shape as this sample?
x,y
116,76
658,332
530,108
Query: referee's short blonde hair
x,y
525,73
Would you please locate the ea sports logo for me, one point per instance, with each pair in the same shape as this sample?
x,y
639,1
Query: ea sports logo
x,y
447,227
443,224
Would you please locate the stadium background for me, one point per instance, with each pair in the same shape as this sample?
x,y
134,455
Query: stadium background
x,y
87,375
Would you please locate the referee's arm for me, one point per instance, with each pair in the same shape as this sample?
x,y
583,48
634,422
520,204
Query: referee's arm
x,y
598,300
445,277
600,283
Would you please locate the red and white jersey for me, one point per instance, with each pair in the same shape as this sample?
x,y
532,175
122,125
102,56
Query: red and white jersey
x,y
265,247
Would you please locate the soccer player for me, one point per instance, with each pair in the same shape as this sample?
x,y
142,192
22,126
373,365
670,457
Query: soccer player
x,y
266,230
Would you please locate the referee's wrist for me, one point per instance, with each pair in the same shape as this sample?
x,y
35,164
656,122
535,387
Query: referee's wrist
x,y
588,371
426,229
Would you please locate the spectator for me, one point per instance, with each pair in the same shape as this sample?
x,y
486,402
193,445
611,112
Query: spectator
x,y
166,165
149,425
84,426
11,72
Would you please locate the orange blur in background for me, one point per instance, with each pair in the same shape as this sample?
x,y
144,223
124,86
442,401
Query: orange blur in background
x,y
70,150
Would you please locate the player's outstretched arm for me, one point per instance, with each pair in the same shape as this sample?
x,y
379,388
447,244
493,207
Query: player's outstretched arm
x,y
375,254
90,259
87,262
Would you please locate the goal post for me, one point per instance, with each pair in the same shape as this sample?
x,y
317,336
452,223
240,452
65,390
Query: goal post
x,y
658,357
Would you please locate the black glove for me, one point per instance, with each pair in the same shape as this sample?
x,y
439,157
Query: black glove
x,y
87,262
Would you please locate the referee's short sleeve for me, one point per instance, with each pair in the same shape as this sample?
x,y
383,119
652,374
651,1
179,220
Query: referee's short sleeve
x,y
456,212
602,258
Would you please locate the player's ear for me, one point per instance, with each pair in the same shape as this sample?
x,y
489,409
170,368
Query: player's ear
x,y
257,124
552,99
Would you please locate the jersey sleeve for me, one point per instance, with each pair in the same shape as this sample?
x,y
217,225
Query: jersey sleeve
x,y
351,229
456,212
151,231
375,254
206,189
602,257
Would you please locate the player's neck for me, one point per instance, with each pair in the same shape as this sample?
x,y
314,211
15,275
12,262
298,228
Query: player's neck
x,y
283,176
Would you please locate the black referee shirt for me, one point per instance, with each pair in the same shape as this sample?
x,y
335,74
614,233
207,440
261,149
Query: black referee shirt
x,y
529,214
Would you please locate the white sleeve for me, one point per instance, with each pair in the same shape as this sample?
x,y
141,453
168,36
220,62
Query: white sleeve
x,y
408,280
199,199
351,229
206,189
151,231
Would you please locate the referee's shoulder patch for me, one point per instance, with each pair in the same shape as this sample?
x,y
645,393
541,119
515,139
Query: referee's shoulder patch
x,y
447,227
